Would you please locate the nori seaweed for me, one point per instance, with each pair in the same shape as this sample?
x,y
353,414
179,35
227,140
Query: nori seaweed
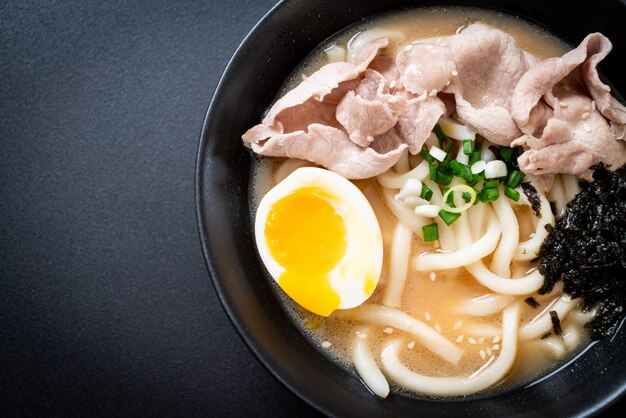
x,y
587,250
531,302
533,197
556,323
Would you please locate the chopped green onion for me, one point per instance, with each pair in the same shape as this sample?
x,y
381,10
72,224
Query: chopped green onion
x,y
476,178
491,184
437,153
473,182
456,167
439,132
466,173
511,193
488,195
514,178
506,153
432,171
448,217
426,155
447,202
468,146
444,142
450,199
430,232
444,168
427,193
495,169
443,179
474,156
442,175
477,146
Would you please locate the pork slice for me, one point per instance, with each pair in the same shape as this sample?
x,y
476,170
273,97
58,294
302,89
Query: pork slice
x,y
332,148
480,66
579,131
311,101
542,77
369,110
574,139
363,119
386,66
600,92
425,67
489,64
418,119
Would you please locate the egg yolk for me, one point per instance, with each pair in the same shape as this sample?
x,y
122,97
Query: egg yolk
x,y
307,237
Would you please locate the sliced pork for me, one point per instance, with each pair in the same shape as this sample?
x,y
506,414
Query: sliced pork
x,y
580,127
356,118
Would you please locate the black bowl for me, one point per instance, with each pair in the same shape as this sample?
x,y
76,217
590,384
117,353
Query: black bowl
x,y
264,60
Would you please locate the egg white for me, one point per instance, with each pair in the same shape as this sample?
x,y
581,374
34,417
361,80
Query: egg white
x,y
363,257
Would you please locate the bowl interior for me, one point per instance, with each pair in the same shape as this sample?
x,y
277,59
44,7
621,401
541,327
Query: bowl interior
x,y
254,75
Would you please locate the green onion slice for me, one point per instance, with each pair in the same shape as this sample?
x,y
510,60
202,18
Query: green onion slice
x,y
514,178
427,193
463,188
430,232
468,146
511,193
448,217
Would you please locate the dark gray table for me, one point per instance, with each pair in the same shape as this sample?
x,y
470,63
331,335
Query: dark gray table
x,y
106,307
106,304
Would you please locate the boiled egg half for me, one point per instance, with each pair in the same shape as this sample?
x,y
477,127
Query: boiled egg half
x,y
320,240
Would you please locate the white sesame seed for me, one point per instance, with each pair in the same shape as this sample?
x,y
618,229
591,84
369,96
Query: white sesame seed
x,y
432,93
370,138
483,354
427,316
447,83
433,276
361,335
408,48
584,115
472,340
393,99
489,352
326,344
454,73
481,340
438,328
496,339
304,77
458,324
388,330
459,338
411,345
392,84
587,128
563,104
496,347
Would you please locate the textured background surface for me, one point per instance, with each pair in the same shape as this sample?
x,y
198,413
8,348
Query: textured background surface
x,y
106,307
